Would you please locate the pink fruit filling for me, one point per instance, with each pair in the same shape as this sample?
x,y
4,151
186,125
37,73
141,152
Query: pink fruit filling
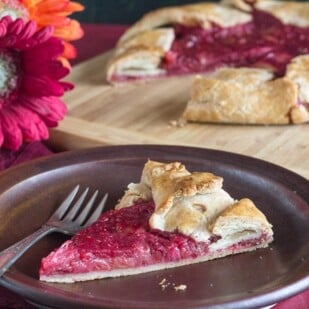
x,y
120,239
123,239
263,42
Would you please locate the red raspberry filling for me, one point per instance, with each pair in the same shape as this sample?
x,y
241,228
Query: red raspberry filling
x,y
263,42
120,239
123,239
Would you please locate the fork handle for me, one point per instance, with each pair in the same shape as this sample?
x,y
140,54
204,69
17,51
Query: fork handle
x,y
10,255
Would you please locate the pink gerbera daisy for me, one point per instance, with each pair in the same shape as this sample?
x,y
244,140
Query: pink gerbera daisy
x,y
30,84
49,13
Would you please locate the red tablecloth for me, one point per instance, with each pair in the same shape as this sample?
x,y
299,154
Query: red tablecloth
x,y
97,39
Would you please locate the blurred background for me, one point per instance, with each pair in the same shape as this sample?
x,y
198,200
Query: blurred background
x,y
121,11
115,15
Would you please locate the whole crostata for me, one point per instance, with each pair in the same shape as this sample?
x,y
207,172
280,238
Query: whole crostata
x,y
267,40
170,218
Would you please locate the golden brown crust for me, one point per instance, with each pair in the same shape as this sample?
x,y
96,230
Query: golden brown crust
x,y
239,4
134,193
142,55
135,62
243,95
243,208
155,38
289,12
243,217
298,72
300,113
179,196
172,180
197,183
154,169
190,202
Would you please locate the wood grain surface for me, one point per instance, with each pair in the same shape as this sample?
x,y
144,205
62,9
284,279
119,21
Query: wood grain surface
x,y
143,113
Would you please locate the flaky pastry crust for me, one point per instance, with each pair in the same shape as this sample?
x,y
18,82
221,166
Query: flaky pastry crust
x,y
141,55
234,218
289,12
171,181
245,96
194,203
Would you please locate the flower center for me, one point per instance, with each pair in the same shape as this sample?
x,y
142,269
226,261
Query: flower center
x,y
13,8
8,74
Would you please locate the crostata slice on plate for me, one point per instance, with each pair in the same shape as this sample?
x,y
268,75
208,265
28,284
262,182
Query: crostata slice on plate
x,y
171,218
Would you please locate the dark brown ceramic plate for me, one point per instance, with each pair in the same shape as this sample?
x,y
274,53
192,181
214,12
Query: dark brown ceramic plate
x,y
30,192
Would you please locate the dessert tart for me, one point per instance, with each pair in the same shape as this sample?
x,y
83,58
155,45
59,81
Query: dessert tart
x,y
170,218
240,35
203,37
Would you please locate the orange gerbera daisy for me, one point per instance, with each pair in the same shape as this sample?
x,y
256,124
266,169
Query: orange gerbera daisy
x,y
49,13
55,13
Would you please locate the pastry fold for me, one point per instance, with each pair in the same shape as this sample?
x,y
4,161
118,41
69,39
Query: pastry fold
x,y
195,204
289,12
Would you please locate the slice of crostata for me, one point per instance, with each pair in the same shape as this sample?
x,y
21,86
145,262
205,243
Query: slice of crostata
x,y
171,218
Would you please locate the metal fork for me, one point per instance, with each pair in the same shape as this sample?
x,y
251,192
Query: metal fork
x,y
66,219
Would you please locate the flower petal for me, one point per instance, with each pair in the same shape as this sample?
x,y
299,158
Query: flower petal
x,y
48,5
52,68
12,134
67,86
43,34
55,13
31,125
69,51
28,30
32,105
71,32
57,21
16,27
75,7
50,109
42,86
70,8
49,50
1,134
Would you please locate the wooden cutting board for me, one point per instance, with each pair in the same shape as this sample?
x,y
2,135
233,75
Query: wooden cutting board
x,y
143,113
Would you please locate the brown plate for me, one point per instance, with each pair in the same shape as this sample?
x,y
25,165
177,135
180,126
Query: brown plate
x,y
30,192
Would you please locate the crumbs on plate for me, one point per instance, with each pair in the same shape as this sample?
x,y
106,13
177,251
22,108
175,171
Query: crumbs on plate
x,y
164,284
